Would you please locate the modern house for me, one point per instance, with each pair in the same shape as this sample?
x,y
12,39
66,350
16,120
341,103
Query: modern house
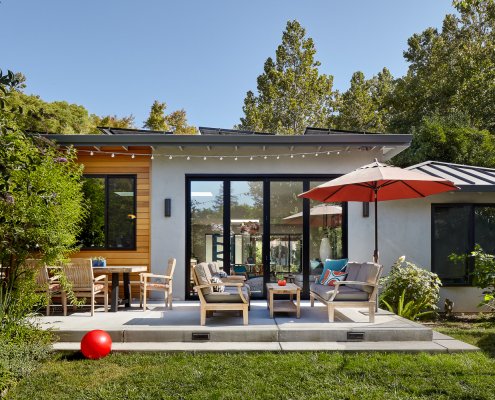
x,y
231,197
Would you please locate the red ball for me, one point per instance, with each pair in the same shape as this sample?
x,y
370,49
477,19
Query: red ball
x,y
96,344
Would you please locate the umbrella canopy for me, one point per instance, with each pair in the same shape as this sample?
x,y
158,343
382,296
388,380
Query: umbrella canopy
x,y
318,215
379,182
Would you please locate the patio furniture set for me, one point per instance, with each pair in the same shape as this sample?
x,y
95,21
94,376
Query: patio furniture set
x,y
80,275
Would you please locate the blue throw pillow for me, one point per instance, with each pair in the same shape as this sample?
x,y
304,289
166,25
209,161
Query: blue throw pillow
x,y
333,265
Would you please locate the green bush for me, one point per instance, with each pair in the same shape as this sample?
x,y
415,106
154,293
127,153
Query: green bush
x,y
410,291
22,350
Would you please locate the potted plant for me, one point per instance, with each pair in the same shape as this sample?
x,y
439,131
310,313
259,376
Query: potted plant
x,y
99,262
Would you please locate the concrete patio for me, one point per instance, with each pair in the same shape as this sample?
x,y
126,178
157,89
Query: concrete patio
x,y
158,329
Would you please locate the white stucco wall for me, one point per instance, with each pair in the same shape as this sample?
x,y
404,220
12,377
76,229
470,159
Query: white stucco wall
x,y
404,228
168,181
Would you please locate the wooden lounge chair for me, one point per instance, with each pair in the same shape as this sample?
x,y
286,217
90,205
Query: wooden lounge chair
x,y
235,296
149,281
79,273
359,290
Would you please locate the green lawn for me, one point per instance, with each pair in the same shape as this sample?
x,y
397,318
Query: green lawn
x,y
274,375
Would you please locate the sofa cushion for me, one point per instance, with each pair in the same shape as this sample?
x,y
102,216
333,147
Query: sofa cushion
x,y
333,265
220,288
363,272
204,277
346,293
230,295
332,276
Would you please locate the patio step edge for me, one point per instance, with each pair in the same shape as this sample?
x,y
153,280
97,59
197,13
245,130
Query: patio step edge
x,y
436,346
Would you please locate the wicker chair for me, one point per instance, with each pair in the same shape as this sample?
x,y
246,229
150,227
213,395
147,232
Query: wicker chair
x,y
149,281
79,273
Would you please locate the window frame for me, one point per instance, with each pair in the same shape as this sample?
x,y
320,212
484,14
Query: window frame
x,y
106,177
471,238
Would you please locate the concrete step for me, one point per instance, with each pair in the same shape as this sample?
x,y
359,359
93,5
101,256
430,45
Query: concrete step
x,y
437,346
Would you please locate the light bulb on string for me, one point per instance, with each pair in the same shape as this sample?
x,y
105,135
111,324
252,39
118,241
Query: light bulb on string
x,y
133,156
265,157
221,158
278,157
303,155
113,155
188,158
316,154
328,153
204,158
152,157
292,156
170,157
91,153
251,158
235,159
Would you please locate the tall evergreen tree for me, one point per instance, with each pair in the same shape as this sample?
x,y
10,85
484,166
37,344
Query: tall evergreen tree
x,y
291,92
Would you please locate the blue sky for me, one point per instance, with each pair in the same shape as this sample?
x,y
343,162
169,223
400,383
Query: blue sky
x,y
117,56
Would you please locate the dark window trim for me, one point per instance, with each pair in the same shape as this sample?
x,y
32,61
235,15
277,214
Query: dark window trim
x,y
105,177
306,179
471,237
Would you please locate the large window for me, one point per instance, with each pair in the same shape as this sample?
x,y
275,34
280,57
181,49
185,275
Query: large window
x,y
111,219
257,226
456,228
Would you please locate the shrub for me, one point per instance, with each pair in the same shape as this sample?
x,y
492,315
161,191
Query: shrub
x,y
22,350
410,291
483,273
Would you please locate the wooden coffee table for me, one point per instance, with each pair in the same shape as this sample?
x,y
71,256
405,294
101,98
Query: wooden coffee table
x,y
284,305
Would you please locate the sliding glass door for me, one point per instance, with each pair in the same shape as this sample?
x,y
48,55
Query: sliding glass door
x,y
258,227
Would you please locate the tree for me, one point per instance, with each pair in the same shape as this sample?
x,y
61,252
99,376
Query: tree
x,y
111,121
450,139
365,105
40,205
292,94
176,121
452,70
157,120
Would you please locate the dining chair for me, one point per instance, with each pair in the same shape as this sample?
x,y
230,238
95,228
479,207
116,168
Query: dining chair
x,y
163,283
79,273
49,285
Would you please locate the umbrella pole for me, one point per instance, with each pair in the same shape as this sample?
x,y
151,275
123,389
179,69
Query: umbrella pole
x,y
375,253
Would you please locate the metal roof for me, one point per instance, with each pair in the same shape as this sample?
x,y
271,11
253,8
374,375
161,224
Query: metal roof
x,y
127,131
220,131
468,177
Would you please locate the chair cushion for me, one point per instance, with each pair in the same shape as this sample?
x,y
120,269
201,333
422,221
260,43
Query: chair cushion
x,y
230,295
363,272
333,276
204,277
220,288
346,293
333,265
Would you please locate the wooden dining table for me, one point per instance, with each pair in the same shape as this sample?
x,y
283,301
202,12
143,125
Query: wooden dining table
x,y
115,270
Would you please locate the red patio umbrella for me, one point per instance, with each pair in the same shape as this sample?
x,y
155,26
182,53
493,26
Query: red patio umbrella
x,y
379,182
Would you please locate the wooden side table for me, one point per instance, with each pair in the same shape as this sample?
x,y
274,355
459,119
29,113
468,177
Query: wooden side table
x,y
284,305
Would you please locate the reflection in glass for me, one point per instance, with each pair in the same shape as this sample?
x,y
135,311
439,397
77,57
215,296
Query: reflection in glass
x,y
325,234
206,223
286,232
121,208
93,227
450,236
484,228
246,230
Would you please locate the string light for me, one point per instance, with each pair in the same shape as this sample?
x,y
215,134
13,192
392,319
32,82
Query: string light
x,y
218,157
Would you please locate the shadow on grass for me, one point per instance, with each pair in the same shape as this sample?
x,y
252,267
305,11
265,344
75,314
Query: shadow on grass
x,y
487,344
71,356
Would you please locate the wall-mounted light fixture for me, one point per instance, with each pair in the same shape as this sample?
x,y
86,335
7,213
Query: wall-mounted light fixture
x,y
366,209
168,207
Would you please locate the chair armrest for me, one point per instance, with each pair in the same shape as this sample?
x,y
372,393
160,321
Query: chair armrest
x,y
146,275
233,278
338,283
54,278
99,278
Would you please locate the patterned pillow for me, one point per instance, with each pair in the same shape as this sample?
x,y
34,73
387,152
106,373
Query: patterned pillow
x,y
333,265
220,288
331,277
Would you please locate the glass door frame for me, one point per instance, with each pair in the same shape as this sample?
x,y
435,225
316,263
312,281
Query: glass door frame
x,y
226,179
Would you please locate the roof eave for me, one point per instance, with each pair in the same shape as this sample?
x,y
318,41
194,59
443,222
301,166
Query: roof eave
x,y
393,140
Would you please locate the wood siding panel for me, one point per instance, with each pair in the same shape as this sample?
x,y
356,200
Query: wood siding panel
x,y
141,167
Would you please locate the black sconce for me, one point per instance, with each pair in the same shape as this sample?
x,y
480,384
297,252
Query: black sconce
x,y
168,207
366,210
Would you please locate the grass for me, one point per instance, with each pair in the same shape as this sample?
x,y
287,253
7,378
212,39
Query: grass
x,y
274,375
